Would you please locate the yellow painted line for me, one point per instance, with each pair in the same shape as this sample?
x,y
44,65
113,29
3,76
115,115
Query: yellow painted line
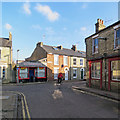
x,y
20,93
23,110
26,107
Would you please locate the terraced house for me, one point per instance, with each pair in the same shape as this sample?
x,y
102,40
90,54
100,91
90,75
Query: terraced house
x,y
70,62
6,59
103,57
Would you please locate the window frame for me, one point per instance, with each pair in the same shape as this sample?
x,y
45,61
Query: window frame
x,y
82,62
93,45
115,38
75,62
65,57
56,56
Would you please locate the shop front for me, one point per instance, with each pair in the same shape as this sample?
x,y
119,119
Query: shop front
x,y
31,72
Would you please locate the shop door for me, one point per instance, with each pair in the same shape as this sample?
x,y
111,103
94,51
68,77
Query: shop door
x,y
31,75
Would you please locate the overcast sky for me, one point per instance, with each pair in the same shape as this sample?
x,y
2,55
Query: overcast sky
x,y
61,23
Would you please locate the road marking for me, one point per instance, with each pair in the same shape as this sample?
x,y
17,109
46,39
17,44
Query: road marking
x,y
26,107
23,110
84,92
24,99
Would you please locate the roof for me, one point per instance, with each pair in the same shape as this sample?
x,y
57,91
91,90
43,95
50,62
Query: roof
x,y
64,51
5,42
116,23
31,64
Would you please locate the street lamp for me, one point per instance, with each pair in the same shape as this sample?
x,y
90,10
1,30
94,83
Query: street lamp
x,y
105,55
17,55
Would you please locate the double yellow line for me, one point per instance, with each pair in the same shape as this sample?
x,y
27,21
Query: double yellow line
x,y
24,104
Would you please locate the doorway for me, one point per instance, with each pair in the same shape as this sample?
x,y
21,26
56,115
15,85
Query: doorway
x,y
31,75
82,73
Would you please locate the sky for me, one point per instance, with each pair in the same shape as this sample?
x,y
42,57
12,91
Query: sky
x,y
53,23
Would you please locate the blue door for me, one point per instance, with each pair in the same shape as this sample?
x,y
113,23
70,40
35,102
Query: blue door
x,y
31,75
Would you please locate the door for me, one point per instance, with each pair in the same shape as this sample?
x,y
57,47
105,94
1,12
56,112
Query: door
x,y
31,75
66,74
82,74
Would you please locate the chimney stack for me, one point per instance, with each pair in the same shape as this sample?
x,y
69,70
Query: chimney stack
x,y
60,47
99,25
39,44
74,47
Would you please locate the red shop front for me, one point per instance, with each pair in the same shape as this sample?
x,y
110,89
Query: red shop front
x,y
31,72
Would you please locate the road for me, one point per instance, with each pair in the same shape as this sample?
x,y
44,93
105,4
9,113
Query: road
x,y
50,101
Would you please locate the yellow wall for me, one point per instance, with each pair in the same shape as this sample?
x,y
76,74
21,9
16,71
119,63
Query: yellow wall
x,y
78,62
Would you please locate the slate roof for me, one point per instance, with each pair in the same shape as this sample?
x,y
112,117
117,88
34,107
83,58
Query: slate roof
x,y
64,51
5,42
31,64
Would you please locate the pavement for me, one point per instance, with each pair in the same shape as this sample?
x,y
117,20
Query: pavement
x,y
10,105
83,88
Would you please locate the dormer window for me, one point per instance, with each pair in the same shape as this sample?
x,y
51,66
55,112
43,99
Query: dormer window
x,y
117,38
55,48
95,46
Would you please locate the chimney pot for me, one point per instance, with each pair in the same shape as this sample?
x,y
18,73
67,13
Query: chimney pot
x,y
40,44
99,25
74,47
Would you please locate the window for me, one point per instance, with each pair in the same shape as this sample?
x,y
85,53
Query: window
x,y
56,59
40,72
95,70
81,61
23,72
56,71
74,72
0,54
95,45
65,60
74,61
117,38
115,70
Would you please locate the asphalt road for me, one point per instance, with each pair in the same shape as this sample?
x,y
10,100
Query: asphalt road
x,y
50,101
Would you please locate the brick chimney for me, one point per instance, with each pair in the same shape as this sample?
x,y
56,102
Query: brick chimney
x,y
74,47
60,47
39,44
99,25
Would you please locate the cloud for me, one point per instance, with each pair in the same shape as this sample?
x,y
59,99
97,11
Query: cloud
x,y
84,6
8,26
46,11
36,27
83,28
26,8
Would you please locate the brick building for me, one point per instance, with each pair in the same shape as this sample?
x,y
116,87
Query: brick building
x,y
103,57
6,59
58,59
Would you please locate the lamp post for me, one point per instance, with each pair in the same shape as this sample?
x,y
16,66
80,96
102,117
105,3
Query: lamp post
x,y
105,55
